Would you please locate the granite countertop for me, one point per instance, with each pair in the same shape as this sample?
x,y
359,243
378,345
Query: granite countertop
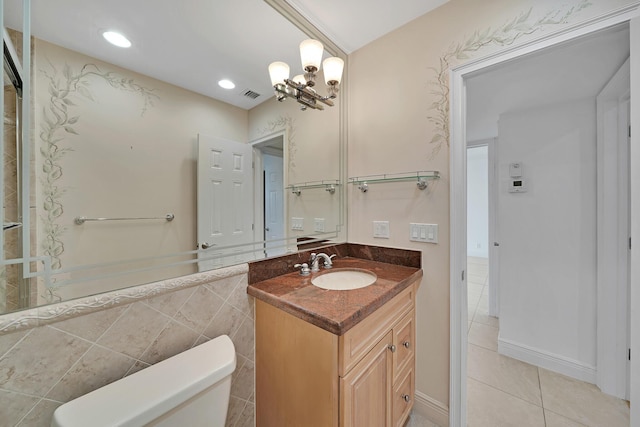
x,y
335,311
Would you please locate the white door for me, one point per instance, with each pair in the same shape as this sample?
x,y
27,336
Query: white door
x,y
273,205
225,201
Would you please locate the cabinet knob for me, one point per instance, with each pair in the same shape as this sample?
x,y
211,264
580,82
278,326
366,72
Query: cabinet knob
x,y
406,344
406,398
392,348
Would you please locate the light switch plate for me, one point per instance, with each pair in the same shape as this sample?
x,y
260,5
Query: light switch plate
x,y
318,225
381,229
297,224
427,233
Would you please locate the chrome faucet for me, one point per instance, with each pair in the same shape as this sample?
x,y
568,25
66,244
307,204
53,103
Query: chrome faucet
x,y
315,260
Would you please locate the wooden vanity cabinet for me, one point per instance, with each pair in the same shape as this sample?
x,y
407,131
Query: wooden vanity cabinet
x,y
307,376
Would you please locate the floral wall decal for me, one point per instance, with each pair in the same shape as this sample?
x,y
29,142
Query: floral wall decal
x,y
505,35
67,88
287,123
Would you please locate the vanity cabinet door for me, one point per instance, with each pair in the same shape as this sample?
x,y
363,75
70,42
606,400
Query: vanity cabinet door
x,y
366,391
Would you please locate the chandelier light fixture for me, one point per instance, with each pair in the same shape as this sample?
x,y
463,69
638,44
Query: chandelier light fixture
x,y
301,86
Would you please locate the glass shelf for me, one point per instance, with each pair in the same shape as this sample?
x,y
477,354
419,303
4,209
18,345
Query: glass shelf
x,y
420,176
328,185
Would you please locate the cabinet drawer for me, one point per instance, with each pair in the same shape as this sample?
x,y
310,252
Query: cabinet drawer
x,y
357,341
404,339
403,395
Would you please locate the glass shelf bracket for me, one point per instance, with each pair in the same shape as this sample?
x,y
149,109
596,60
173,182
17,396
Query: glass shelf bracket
x,y
328,185
421,177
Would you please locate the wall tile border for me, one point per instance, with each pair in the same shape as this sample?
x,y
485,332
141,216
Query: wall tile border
x,y
44,315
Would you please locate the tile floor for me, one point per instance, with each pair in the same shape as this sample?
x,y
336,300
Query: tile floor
x,y
502,391
416,420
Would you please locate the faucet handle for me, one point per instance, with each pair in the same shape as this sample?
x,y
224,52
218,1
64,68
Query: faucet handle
x,y
327,261
304,269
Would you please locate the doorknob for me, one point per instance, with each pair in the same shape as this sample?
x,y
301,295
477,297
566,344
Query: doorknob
x,y
206,245
266,229
496,244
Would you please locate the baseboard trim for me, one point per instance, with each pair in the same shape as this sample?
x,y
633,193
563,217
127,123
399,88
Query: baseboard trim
x,y
432,409
553,362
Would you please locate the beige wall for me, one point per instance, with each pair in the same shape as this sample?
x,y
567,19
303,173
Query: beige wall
x,y
393,90
312,152
131,151
43,367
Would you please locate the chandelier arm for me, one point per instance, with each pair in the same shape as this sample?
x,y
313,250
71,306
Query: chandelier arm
x,y
309,93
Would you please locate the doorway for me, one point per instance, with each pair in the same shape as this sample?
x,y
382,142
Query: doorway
x,y
270,199
460,90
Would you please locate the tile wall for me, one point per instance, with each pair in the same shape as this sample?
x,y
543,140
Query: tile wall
x,y
47,365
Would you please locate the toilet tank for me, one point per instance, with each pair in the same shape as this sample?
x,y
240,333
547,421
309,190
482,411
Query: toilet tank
x,y
189,389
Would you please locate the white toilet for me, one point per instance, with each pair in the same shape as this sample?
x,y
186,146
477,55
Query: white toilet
x,y
189,389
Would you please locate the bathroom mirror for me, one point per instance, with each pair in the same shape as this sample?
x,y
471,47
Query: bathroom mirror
x,y
113,177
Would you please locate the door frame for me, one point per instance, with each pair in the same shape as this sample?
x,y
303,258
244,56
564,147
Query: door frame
x,y
458,208
613,232
257,145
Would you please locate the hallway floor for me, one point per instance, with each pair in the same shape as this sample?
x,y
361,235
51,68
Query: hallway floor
x,y
502,391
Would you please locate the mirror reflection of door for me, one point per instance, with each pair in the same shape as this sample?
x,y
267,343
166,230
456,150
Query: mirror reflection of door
x,y
274,232
225,201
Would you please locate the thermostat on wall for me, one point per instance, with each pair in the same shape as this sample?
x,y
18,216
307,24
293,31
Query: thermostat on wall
x,y
517,185
515,170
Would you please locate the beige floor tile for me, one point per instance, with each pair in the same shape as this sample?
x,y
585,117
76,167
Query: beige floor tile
x,y
581,401
483,304
478,270
475,288
473,299
489,407
477,260
477,278
416,420
554,420
484,336
471,310
504,373
485,319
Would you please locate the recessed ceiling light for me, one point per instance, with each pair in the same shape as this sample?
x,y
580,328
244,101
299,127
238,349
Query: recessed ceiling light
x,y
116,39
226,84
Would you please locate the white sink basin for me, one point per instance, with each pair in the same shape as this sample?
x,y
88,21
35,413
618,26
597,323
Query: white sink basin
x,y
344,279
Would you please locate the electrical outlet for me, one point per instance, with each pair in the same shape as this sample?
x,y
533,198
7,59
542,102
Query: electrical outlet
x,y
297,224
318,225
381,229
423,233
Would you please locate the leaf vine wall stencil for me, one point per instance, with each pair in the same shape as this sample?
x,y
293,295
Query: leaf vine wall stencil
x,y
59,120
287,123
505,35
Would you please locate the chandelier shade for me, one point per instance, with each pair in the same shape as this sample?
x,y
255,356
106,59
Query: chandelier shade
x,y
279,72
301,86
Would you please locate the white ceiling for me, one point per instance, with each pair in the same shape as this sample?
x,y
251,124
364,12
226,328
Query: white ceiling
x,y
189,43
195,43
573,71
352,24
